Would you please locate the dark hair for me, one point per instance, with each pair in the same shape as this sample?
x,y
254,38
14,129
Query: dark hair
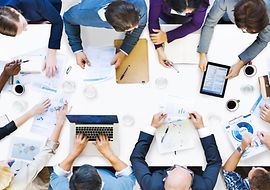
x,y
251,15
85,178
181,5
122,15
260,180
8,19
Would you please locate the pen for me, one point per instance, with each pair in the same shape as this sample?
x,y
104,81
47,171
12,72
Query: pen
x,y
30,72
172,65
124,73
162,139
25,61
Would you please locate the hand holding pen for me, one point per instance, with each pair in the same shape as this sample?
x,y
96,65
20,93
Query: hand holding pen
x,y
171,64
12,68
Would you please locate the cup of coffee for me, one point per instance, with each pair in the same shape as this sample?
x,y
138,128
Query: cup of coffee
x,y
232,105
18,89
250,70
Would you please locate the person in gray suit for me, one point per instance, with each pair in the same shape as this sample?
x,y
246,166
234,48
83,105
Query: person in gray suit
x,y
251,16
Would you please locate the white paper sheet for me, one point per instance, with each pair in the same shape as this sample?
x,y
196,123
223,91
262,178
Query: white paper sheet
x,y
101,68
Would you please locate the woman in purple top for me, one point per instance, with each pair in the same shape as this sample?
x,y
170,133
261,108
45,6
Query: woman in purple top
x,y
189,13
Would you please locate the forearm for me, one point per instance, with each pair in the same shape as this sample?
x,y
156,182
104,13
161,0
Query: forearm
x,y
51,52
25,117
3,79
233,161
68,162
57,131
116,163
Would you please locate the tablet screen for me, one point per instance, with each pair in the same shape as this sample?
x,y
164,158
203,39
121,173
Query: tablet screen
x,y
214,81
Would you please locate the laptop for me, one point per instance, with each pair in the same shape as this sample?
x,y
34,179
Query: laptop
x,y
92,126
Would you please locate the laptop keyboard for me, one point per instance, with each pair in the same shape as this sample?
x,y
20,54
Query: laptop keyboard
x,y
93,132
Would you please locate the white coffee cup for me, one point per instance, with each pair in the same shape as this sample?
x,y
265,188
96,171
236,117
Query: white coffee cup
x,y
90,91
18,89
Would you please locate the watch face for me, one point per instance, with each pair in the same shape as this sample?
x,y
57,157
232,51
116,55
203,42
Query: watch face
x,y
239,149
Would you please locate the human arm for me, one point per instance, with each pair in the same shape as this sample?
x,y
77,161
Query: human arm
x,y
10,69
137,158
13,125
215,14
28,173
52,14
209,177
234,159
131,39
102,145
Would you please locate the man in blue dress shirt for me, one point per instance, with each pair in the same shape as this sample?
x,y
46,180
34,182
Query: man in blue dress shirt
x,y
15,14
124,16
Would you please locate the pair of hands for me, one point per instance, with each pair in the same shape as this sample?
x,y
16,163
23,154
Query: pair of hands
x,y
234,71
102,145
247,139
82,59
159,118
43,107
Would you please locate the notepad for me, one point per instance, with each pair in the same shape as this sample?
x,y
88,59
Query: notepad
x,y
34,65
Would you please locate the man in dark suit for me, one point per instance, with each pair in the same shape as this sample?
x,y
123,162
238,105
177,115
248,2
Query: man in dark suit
x,y
177,177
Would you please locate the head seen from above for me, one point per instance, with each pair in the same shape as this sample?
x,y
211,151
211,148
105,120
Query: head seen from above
x,y
259,179
6,175
12,22
251,16
184,6
179,178
122,16
85,178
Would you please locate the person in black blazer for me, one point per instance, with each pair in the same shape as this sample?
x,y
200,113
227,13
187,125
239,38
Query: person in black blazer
x,y
15,14
177,177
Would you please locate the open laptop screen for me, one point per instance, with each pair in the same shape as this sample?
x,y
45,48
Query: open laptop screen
x,y
93,119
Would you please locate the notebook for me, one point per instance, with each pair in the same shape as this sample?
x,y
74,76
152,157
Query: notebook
x,y
134,68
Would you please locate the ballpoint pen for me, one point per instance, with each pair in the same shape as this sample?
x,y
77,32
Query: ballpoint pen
x,y
124,73
162,139
172,65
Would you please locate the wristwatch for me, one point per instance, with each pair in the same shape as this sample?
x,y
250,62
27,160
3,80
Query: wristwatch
x,y
240,150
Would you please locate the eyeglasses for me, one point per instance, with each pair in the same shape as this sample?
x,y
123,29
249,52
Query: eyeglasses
x,y
178,166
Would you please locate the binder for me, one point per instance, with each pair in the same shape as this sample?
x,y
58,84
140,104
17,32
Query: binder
x,y
264,86
135,65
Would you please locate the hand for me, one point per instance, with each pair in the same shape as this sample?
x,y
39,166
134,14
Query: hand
x,y
41,108
118,59
61,114
162,57
265,113
203,62
82,59
265,138
196,120
159,37
49,65
235,70
12,68
158,120
103,146
79,144
246,141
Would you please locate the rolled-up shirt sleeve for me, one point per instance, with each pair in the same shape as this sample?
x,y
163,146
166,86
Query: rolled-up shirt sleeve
x,y
124,172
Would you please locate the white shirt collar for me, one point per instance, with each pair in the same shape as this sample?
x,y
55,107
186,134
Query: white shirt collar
x,y
101,13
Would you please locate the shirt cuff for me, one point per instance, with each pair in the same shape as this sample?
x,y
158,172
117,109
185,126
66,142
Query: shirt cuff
x,y
124,172
78,51
150,130
123,52
204,132
60,171
52,145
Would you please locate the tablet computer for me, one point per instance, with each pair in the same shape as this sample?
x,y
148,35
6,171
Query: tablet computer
x,y
214,82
